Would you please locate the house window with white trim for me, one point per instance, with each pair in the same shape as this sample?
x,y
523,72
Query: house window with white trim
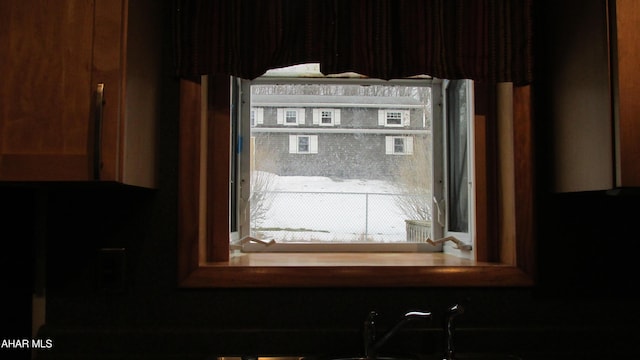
x,y
326,117
399,145
303,144
290,116
257,116
394,118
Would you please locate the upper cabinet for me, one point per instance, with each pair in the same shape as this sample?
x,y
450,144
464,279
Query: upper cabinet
x,y
593,69
80,90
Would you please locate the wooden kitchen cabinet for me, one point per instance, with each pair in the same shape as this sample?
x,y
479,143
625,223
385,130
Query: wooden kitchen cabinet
x,y
80,90
594,76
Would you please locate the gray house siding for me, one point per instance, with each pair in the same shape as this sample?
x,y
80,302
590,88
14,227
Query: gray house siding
x,y
356,160
357,147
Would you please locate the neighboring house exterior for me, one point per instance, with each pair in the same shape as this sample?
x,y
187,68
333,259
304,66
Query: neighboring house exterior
x,y
307,135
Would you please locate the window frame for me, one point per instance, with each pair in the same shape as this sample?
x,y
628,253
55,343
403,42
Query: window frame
x,y
257,116
383,117
390,144
505,257
244,102
445,192
317,116
312,144
282,116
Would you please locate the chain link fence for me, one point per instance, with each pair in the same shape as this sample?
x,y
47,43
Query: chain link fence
x,y
332,216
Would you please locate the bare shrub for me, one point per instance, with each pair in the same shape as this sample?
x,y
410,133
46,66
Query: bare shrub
x,y
414,182
261,197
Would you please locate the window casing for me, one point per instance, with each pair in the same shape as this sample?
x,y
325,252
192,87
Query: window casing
x,y
504,257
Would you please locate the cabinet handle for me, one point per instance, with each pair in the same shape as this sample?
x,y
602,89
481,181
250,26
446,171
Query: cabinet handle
x,y
97,158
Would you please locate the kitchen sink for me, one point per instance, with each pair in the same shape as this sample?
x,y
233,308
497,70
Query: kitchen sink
x,y
460,356
476,356
315,357
364,358
372,349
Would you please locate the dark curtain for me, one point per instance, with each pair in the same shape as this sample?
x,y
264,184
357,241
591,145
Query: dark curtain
x,y
483,40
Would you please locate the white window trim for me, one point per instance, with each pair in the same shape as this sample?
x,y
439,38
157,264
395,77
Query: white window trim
x,y
317,117
300,116
441,193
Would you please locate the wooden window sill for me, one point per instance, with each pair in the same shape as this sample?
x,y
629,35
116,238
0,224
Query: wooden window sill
x,y
336,259
353,270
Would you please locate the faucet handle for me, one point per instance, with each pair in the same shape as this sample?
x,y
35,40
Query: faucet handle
x,y
370,324
371,316
455,310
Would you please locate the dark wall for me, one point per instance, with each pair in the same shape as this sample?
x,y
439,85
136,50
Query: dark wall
x,y
583,305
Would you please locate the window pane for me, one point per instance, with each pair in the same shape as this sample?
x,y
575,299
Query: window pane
x,y
458,174
398,146
326,117
352,187
303,144
394,118
291,117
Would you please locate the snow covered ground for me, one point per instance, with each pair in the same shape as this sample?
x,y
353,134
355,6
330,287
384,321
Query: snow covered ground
x,y
314,208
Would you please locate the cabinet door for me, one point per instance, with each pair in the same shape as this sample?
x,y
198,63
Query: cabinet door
x,y
80,93
45,94
127,61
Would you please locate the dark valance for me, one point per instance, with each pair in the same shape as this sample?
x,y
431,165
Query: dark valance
x,y
483,40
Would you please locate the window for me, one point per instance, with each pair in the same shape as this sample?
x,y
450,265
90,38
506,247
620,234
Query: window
x,y
503,172
351,192
399,145
459,159
303,144
290,116
257,116
326,117
394,118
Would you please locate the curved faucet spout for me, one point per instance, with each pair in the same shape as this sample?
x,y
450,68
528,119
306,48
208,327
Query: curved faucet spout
x,y
372,345
452,312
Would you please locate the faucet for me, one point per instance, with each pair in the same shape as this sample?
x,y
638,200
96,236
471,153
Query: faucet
x,y
452,312
371,344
